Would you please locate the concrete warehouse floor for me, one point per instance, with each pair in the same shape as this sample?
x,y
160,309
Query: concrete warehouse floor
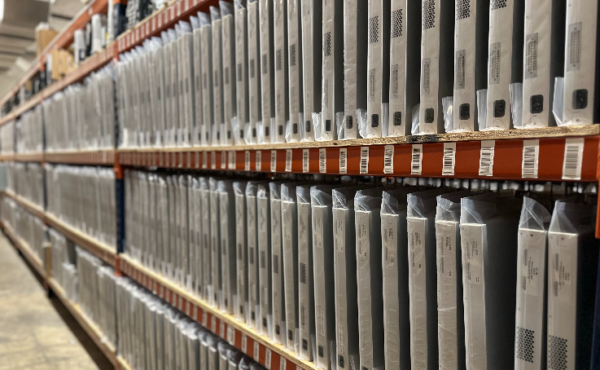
x,y
37,333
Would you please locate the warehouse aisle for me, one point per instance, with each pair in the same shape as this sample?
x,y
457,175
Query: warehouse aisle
x,y
37,333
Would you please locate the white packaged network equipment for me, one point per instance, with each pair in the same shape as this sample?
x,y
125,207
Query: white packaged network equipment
x,y
405,59
306,293
505,61
581,102
572,278
240,309
378,82
437,25
229,78
470,62
311,63
254,82
277,273
215,299
332,88
543,59
530,321
228,217
207,124
267,72
198,106
296,94
253,283
488,233
186,84
241,132
281,77
355,65
217,73
289,231
207,216
263,222
322,235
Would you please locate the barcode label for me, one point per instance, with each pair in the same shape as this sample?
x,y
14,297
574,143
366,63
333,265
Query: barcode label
x,y
282,363
268,358
204,160
486,158
231,335
256,351
302,273
244,343
258,164
223,160
222,330
416,161
305,160
531,153
204,319
573,158
449,159
213,160
213,324
343,160
288,160
247,160
364,160
388,159
232,160
273,160
322,160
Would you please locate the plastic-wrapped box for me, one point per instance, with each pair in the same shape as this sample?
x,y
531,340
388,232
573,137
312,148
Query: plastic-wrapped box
x,y
488,233
263,223
234,359
311,63
296,95
207,215
175,93
229,75
280,46
206,57
217,72
240,131
186,78
277,271
322,241
267,80
289,231
530,330
572,278
227,245
254,73
332,88
306,294
198,101
451,326
196,209
240,308
216,297
505,62
253,252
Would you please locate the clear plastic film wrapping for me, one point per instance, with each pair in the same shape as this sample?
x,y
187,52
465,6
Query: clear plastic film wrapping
x,y
206,58
217,73
367,206
307,337
227,214
240,308
447,106
276,256
558,100
265,286
254,86
229,133
267,126
215,289
321,203
289,216
482,109
253,290
449,280
516,103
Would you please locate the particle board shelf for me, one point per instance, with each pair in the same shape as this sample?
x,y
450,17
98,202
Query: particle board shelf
x,y
87,157
88,325
27,252
394,156
246,339
122,364
28,157
101,250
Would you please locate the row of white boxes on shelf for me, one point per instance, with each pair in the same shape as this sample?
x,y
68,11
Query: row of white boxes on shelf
x,y
373,276
274,71
25,225
25,180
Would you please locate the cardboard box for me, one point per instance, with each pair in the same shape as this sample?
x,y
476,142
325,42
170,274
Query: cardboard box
x,y
42,39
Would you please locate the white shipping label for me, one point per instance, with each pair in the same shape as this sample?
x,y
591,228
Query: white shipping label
x,y
244,343
273,160
531,153
532,244
204,319
445,236
389,231
388,159
282,363
472,251
268,358
322,160
562,262
256,351
305,162
205,160
364,160
449,159
573,159
339,230
416,244
288,160
416,163
213,160
223,160
232,160
343,160
247,160
486,158
362,235
258,163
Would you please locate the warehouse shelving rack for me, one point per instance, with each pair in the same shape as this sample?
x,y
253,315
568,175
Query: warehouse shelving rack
x,y
391,157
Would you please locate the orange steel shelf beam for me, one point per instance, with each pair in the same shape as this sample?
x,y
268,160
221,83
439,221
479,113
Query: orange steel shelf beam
x,y
243,337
